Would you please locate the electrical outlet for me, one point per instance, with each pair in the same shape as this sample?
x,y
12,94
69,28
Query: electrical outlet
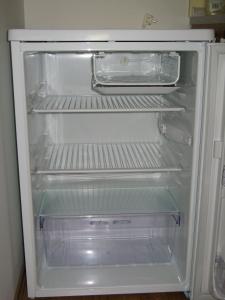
x,y
148,20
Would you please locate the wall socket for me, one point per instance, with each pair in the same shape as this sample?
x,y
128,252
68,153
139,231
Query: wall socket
x,y
148,20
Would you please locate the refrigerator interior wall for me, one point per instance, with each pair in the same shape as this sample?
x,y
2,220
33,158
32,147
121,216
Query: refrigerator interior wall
x,y
111,188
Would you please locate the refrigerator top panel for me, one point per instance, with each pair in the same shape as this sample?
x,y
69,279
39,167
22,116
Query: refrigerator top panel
x,y
111,35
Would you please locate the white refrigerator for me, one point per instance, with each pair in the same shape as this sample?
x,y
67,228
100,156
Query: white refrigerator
x,y
120,138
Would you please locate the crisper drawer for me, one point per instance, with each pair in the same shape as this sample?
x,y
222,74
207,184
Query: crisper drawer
x,y
109,240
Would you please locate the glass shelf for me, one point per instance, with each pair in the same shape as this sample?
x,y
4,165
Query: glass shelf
x,y
86,201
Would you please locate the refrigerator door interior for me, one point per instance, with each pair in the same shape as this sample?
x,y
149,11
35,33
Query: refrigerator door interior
x,y
209,279
108,140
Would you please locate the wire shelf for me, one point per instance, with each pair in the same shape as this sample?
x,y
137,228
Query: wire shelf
x,y
113,103
106,158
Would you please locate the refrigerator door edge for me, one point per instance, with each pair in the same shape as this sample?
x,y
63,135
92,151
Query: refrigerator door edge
x,y
24,165
212,161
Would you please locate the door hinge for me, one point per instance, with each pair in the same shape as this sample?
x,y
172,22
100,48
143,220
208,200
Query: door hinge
x,y
217,149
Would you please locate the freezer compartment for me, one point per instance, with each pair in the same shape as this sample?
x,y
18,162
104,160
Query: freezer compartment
x,y
130,73
121,68
112,240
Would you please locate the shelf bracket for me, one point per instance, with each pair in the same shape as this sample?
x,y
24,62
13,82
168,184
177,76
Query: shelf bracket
x,y
177,219
41,222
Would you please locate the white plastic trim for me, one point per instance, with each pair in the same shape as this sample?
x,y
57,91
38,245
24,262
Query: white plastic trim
x,y
211,171
110,35
24,166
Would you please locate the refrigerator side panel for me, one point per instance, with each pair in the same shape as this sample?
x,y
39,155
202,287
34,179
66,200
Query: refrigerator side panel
x,y
212,169
24,165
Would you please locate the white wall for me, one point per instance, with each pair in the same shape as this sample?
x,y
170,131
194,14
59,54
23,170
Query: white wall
x,y
11,249
104,13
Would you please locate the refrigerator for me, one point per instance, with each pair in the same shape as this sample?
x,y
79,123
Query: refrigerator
x,y
120,137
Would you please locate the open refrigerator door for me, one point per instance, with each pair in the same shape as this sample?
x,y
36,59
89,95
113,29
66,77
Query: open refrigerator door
x,y
209,269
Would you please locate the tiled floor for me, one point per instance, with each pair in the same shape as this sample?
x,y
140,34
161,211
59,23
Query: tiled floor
x,y
163,296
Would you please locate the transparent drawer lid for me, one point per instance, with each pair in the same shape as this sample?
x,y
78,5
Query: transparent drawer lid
x,y
136,69
86,201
